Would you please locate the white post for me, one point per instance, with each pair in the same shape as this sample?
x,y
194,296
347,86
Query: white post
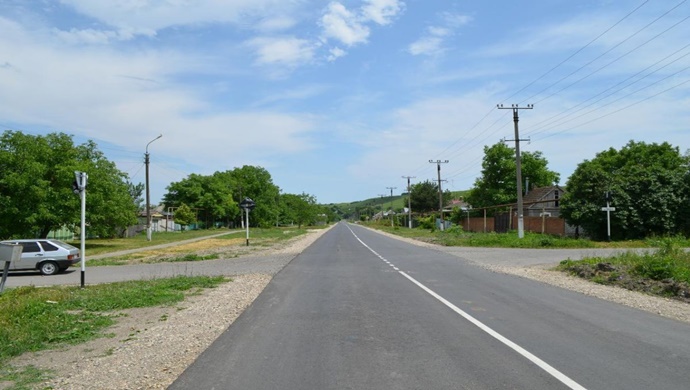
x,y
608,220
246,210
82,251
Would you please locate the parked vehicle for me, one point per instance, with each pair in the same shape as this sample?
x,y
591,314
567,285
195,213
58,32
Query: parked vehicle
x,y
45,255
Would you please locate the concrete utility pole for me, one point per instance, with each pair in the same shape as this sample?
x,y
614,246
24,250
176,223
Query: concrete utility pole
x,y
440,192
148,191
382,195
409,201
391,188
518,164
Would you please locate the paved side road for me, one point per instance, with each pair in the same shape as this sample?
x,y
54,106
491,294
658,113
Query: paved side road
x,y
514,257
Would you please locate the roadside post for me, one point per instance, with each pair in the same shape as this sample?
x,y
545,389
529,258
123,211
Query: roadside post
x,y
247,205
608,210
8,253
79,187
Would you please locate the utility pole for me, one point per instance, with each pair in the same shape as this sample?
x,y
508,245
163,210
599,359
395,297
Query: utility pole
x,y
440,192
409,201
391,217
518,163
382,195
148,191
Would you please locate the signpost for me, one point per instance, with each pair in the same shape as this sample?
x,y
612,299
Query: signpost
x,y
79,187
247,205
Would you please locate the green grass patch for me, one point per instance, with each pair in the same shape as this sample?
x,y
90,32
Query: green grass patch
x,y
664,271
33,319
455,236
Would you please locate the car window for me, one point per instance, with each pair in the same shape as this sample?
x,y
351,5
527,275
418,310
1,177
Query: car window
x,y
63,244
48,247
30,247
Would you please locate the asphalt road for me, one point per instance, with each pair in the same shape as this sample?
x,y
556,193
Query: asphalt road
x,y
358,310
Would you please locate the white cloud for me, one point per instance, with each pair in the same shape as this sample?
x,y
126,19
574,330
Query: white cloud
x,y
432,42
278,23
287,51
340,24
142,16
382,11
127,98
336,53
98,37
427,45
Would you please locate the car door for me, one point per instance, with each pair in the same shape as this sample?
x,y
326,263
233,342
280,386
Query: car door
x,y
32,254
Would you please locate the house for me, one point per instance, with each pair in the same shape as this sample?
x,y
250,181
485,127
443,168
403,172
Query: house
x,y
457,203
543,200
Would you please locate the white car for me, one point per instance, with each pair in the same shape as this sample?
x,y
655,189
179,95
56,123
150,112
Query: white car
x,y
45,255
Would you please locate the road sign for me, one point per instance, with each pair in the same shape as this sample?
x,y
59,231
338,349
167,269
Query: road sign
x,y
608,209
247,204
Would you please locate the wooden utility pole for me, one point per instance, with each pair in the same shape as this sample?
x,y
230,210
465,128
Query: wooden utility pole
x,y
391,216
440,192
409,201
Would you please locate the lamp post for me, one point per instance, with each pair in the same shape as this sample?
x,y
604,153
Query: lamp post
x,y
148,191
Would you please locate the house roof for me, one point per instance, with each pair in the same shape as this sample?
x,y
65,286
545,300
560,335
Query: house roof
x,y
538,194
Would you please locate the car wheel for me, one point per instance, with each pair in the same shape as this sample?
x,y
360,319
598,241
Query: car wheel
x,y
49,268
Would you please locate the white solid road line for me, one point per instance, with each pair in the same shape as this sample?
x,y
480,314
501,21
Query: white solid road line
x,y
531,357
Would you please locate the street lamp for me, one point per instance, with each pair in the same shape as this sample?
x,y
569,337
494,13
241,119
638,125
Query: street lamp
x,y
148,191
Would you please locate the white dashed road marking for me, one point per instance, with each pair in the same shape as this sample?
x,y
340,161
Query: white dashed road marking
x,y
534,359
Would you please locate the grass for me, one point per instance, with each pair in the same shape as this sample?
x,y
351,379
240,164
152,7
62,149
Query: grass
x,y
34,319
455,236
664,271
24,378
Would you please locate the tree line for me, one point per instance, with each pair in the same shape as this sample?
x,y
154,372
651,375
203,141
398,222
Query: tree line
x,y
36,195
648,184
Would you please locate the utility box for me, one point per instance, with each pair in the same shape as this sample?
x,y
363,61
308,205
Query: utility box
x,y
10,252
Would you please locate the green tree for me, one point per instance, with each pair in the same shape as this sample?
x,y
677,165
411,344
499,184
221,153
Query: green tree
x,y
210,195
424,197
256,183
301,209
36,176
136,191
649,187
497,184
184,215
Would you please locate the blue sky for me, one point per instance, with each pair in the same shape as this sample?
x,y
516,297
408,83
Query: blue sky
x,y
340,99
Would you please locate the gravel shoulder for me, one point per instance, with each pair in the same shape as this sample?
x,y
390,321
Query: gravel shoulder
x,y
149,348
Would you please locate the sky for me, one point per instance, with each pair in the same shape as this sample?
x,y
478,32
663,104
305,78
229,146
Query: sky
x,y
343,99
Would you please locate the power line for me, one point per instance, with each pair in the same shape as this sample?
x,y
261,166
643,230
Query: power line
x,y
578,50
607,51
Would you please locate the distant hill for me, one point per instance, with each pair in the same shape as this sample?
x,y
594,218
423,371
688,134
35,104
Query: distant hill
x,y
373,205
